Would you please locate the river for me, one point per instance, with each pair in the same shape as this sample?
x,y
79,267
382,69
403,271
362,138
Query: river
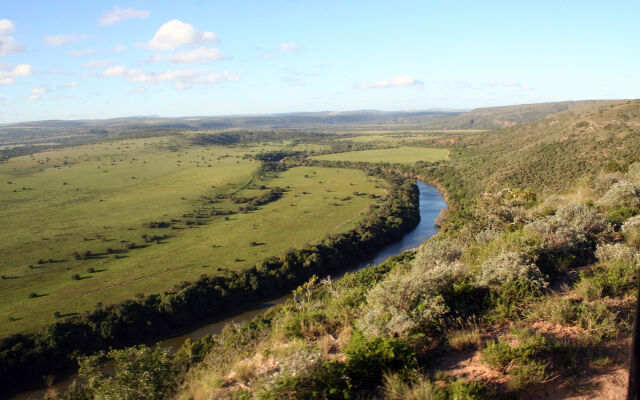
x,y
431,204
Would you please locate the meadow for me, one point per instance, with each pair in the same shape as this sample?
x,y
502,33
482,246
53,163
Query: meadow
x,y
109,221
403,155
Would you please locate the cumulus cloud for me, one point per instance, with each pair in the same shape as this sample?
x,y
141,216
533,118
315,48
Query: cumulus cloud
x,y
80,53
182,79
201,54
119,48
174,34
396,81
68,85
98,64
119,14
59,40
288,46
9,74
7,43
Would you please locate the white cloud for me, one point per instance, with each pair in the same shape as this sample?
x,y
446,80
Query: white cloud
x,y
8,75
288,46
396,81
59,40
80,53
7,43
174,34
119,48
201,54
36,93
68,85
98,64
182,79
118,15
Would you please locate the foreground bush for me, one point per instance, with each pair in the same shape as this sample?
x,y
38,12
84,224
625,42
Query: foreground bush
x,y
410,302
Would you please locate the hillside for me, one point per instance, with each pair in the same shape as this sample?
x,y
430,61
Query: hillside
x,y
502,117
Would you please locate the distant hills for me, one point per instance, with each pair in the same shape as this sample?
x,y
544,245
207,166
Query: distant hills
x,y
480,118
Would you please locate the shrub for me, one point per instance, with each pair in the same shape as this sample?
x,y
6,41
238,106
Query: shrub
x,y
508,268
617,252
631,231
411,301
605,181
556,235
524,362
75,277
395,386
486,236
633,173
623,193
616,273
437,251
595,318
581,218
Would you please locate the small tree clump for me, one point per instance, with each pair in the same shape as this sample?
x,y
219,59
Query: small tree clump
x,y
75,277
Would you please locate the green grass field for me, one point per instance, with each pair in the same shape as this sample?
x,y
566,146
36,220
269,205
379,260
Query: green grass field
x,y
403,155
100,196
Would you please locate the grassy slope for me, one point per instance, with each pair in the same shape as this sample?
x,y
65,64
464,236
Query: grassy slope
x,y
403,155
163,189
550,155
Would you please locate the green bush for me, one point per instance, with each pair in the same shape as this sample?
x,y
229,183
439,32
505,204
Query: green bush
x,y
141,372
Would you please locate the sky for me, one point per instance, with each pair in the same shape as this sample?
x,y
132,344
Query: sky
x,y
104,59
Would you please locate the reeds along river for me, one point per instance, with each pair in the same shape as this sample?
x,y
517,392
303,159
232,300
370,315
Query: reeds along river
x,y
431,204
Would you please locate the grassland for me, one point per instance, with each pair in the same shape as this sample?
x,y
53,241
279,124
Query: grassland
x,y
403,155
103,196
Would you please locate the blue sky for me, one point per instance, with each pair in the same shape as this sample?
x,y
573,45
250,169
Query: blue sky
x,y
103,59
